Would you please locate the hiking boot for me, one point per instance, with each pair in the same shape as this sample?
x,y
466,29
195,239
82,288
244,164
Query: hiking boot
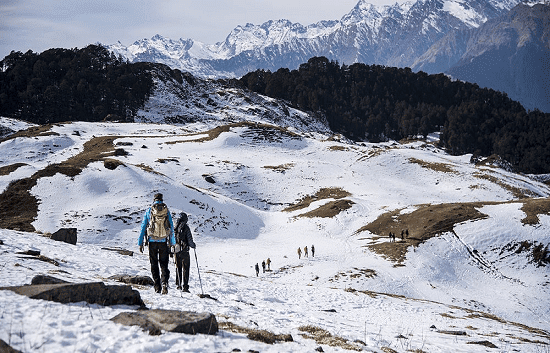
x,y
179,287
164,290
186,289
157,288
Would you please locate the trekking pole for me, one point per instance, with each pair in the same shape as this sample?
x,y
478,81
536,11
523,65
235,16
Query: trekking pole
x,y
178,279
197,262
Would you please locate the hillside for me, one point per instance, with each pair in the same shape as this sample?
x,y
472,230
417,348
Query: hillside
x,y
472,273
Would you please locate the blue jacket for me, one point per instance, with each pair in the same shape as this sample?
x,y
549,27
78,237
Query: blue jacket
x,y
144,224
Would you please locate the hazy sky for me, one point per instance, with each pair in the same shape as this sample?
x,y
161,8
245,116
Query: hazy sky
x,y
42,24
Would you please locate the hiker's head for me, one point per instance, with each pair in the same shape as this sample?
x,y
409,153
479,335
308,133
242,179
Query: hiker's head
x,y
183,217
158,197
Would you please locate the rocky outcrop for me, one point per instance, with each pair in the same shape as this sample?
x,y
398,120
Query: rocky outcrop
x,y
158,320
93,293
67,235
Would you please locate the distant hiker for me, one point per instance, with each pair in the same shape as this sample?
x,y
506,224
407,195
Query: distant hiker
x,y
299,253
257,269
312,251
391,237
268,262
263,266
406,233
184,241
305,251
157,231
402,234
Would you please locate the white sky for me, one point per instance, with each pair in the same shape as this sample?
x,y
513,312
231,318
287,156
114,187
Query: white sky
x,y
42,24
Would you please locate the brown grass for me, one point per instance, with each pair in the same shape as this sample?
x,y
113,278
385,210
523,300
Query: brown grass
x,y
424,223
324,193
18,208
255,334
438,167
6,170
329,209
516,192
267,131
280,168
321,336
432,220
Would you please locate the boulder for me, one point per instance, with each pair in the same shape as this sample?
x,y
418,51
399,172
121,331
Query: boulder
x,y
157,320
141,280
93,293
45,279
6,348
67,235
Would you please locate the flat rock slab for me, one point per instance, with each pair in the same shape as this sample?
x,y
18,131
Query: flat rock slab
x,y
141,280
157,320
93,293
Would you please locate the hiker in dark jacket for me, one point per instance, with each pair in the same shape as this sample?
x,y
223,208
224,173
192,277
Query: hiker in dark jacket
x,y
157,231
184,241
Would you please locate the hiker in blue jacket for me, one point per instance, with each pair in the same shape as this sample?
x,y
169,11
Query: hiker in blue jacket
x,y
157,231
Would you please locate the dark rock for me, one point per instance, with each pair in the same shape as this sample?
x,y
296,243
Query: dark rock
x,y
6,348
120,152
1,242
67,235
158,320
29,252
112,164
209,179
93,293
483,343
45,279
120,251
319,349
141,280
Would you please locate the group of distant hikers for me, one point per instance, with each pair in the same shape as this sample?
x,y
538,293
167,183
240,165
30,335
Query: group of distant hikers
x,y
165,241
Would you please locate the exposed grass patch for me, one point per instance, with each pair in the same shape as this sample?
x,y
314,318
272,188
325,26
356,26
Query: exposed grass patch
x,y
255,334
424,223
34,131
329,209
322,336
324,193
438,167
533,208
354,273
516,192
6,170
263,132
280,168
18,191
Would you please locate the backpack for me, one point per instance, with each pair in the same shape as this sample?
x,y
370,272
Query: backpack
x,y
159,226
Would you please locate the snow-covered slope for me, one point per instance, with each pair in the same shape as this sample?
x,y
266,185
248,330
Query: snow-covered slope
x,y
255,190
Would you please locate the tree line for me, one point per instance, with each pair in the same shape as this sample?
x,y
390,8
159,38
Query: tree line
x,y
376,103
87,84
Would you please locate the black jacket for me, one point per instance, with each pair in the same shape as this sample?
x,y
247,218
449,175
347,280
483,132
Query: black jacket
x,y
183,236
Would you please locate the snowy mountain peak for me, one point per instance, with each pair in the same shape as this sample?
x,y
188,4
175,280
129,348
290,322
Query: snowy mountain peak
x,y
391,35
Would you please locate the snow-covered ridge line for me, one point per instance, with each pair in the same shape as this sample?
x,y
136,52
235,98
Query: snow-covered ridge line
x,y
368,34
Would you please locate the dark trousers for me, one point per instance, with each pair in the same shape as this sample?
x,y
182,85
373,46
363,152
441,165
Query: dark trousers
x,y
183,261
158,254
